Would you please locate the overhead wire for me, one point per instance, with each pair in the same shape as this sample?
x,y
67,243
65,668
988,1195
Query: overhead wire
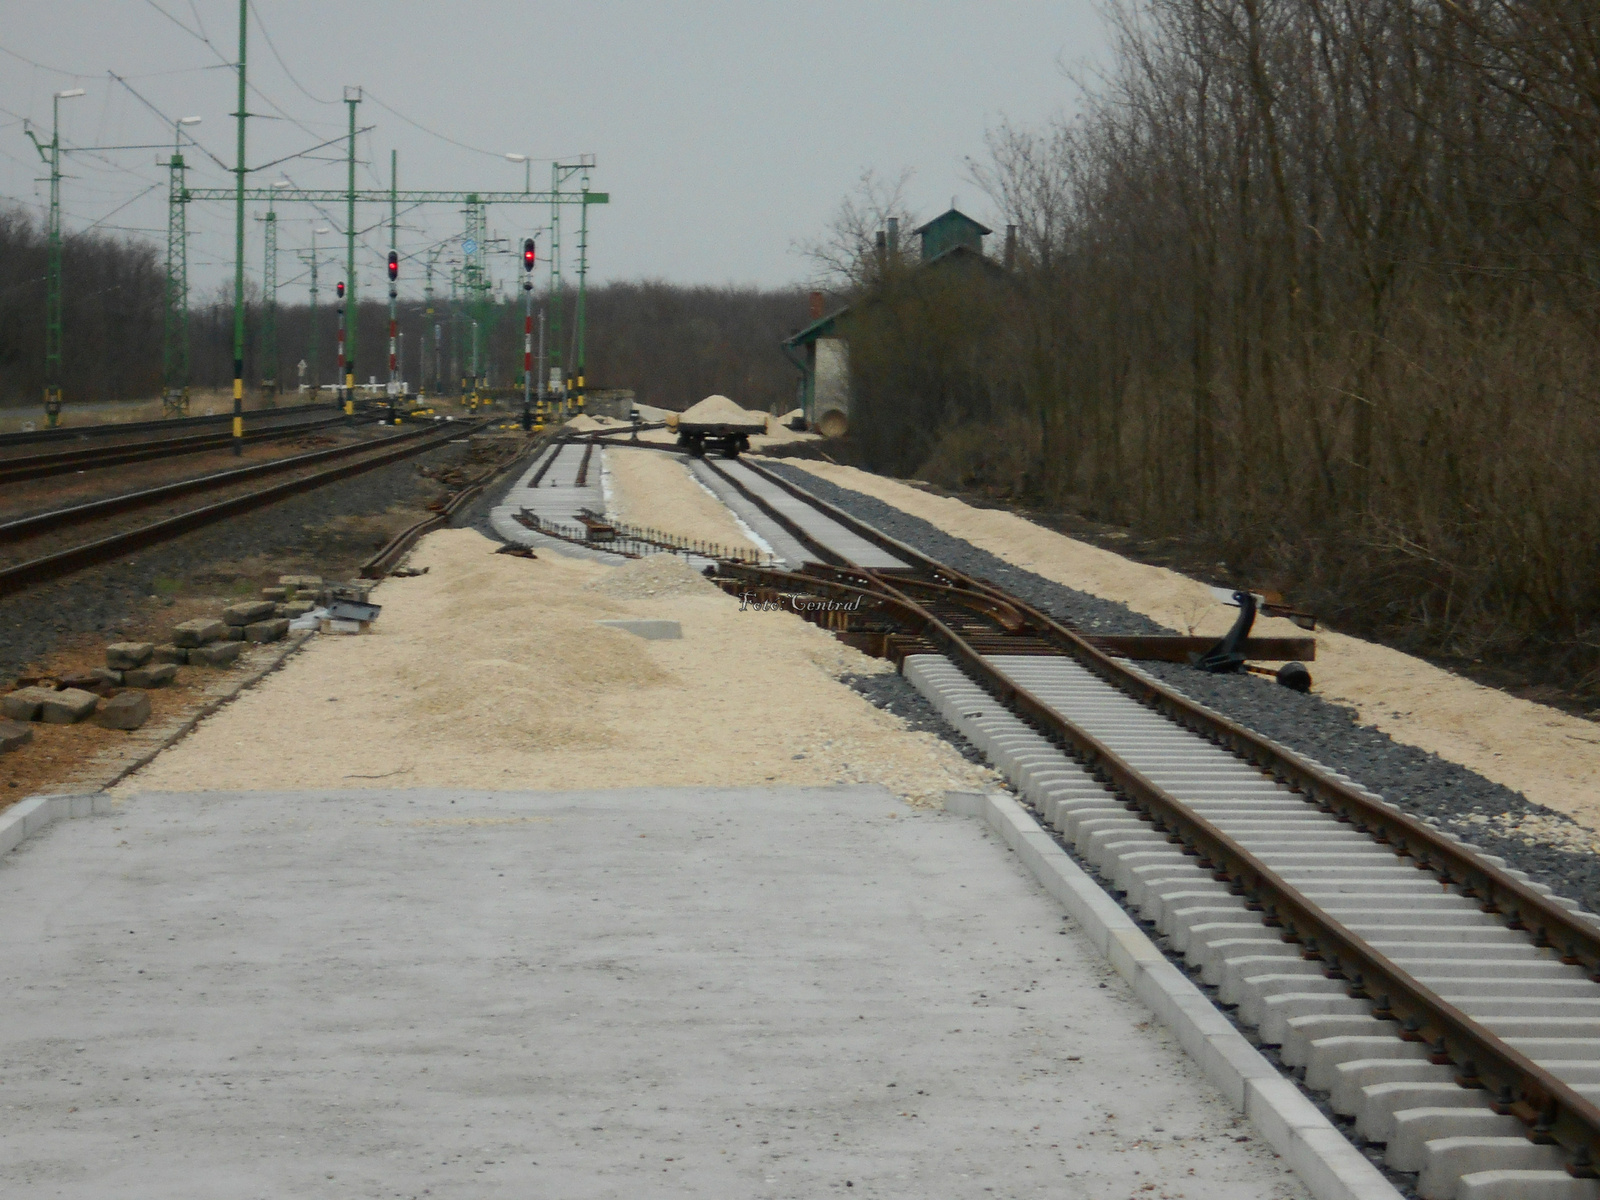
x,y
262,25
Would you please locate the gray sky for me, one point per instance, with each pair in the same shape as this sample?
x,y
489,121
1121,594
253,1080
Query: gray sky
x,y
724,130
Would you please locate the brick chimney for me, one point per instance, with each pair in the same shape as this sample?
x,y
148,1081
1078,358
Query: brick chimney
x,y
816,306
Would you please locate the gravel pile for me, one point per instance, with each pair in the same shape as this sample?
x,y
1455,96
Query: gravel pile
x,y
1547,845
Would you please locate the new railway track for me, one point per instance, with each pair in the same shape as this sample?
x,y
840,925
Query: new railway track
x,y
1447,1007
319,467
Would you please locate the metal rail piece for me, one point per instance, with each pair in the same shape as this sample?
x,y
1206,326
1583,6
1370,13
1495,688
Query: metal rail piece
x,y
1553,1111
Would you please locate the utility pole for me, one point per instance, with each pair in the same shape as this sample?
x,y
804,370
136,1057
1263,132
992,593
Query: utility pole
x,y
583,272
52,271
542,370
394,274
342,377
175,323
352,97
238,250
312,334
556,301
268,353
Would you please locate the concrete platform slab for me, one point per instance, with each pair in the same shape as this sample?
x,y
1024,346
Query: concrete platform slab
x,y
775,993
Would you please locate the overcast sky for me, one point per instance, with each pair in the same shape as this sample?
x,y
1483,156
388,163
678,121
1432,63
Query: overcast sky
x,y
725,131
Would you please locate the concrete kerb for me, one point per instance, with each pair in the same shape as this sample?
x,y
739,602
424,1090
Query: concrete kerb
x,y
1330,1167
27,817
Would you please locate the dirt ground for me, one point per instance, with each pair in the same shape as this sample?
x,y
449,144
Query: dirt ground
x,y
490,671
1548,756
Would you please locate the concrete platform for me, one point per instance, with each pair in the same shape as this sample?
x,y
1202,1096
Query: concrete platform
x,y
779,993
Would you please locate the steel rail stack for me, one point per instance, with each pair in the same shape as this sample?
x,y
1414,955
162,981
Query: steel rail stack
x,y
1447,1003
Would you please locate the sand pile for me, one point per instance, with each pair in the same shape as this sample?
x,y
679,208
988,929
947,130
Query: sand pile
x,y
657,575
489,671
584,423
719,410
655,490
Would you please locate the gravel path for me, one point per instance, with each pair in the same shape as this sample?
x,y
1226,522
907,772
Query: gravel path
x,y
1549,846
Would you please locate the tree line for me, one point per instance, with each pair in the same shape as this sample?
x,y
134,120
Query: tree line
x,y
672,344
1314,282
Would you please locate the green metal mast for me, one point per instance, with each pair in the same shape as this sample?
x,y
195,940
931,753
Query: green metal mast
x,y
52,274
583,271
238,249
352,97
311,334
269,306
556,301
475,281
175,326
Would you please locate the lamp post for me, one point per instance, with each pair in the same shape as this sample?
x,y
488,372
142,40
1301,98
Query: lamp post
x,y
527,173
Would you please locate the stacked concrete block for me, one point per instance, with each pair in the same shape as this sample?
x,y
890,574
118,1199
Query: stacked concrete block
x,y
267,631
122,655
24,703
156,674
202,630
248,612
276,594
125,710
170,654
68,706
14,734
216,654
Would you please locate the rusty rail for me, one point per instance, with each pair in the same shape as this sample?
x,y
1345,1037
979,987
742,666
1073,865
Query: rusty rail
x,y
75,558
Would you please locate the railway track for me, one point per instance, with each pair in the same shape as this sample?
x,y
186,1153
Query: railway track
x,y
167,425
346,461
18,468
1446,1006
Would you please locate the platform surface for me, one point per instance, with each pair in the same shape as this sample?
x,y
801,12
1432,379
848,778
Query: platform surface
x,y
775,993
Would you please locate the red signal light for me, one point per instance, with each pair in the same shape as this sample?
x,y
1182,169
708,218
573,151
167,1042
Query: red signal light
x,y
528,254
394,265
340,287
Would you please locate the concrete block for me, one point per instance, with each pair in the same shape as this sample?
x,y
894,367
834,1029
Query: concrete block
x,y
197,632
234,633
276,594
67,707
87,681
293,609
125,710
1414,1128
651,631
122,655
1449,1158
107,676
248,612
216,654
266,631
23,704
1526,1185
301,583
171,654
14,734
154,676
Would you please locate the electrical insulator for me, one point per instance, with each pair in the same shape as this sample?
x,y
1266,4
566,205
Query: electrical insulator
x,y
340,287
394,265
527,254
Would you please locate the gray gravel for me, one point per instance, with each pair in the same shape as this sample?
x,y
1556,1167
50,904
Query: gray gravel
x,y
1419,782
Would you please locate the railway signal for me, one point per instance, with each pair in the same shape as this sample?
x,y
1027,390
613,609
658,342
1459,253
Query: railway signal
x,y
394,267
349,408
394,368
529,254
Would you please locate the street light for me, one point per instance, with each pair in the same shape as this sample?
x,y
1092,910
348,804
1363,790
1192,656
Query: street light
x,y
527,172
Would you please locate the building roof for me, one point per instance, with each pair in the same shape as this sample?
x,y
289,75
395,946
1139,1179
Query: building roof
x,y
950,216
